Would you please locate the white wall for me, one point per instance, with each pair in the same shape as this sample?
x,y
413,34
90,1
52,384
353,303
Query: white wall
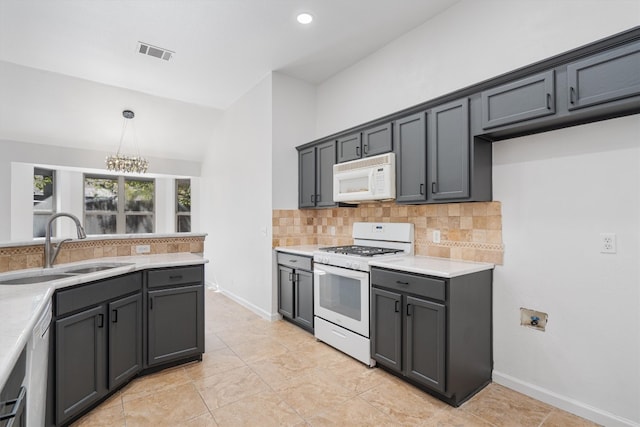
x,y
294,115
588,360
236,192
472,41
559,191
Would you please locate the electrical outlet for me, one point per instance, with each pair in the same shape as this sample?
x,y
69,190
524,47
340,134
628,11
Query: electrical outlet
x,y
608,243
143,249
332,230
436,236
533,319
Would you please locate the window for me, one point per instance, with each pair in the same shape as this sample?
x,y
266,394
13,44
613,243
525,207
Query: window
x,y
44,201
183,205
118,205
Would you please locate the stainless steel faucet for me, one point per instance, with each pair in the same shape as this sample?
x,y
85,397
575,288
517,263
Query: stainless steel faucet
x,y
49,256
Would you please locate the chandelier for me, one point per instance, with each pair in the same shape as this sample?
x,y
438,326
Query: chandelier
x,y
121,162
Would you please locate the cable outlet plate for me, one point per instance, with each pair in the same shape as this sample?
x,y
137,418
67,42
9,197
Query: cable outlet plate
x,y
608,243
436,236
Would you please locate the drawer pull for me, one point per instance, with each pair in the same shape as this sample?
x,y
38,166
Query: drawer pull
x,y
176,277
338,334
399,282
293,260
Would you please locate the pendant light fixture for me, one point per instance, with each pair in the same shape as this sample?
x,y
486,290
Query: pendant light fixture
x,y
121,162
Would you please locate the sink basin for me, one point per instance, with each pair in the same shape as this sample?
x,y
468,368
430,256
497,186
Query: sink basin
x,y
35,279
95,268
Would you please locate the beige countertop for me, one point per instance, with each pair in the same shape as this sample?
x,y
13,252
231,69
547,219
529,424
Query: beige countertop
x,y
22,305
304,250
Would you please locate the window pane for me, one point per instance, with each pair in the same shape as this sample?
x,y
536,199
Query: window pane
x,y
184,223
183,193
42,189
139,224
40,225
138,196
101,194
100,224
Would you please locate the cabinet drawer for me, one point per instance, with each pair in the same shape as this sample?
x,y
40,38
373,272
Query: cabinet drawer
x,y
174,276
294,261
409,283
96,293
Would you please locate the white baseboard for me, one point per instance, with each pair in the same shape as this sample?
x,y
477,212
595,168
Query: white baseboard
x,y
272,317
563,402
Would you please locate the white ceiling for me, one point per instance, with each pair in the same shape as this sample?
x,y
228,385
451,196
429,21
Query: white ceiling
x,y
223,47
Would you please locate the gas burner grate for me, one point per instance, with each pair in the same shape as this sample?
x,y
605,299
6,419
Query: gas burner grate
x,y
368,251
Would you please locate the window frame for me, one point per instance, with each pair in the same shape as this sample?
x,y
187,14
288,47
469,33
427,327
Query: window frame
x,y
45,212
179,213
121,214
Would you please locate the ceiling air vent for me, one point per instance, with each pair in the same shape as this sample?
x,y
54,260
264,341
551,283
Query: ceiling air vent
x,y
157,52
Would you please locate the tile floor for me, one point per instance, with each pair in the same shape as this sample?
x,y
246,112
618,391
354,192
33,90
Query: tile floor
x,y
260,373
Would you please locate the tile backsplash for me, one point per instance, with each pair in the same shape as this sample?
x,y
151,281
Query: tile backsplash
x,y
32,256
468,231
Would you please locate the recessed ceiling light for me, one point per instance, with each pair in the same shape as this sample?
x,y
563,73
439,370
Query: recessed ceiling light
x,y
304,18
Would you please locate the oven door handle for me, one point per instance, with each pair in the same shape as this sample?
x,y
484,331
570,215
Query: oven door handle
x,y
351,274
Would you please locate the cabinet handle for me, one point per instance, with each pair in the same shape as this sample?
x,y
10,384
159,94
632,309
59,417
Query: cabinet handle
x,y
421,188
397,309
401,283
18,406
358,151
572,94
100,320
312,196
316,198
297,277
409,311
548,101
150,303
177,277
366,148
114,316
291,277
433,187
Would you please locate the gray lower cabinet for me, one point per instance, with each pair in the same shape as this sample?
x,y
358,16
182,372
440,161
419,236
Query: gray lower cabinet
x,y
295,289
315,175
449,151
98,342
175,314
605,77
525,99
411,158
433,332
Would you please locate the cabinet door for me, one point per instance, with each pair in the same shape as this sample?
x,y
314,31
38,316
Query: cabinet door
x,y
449,141
125,339
349,147
175,323
304,298
425,342
285,291
307,178
411,158
518,101
326,158
386,328
80,375
605,77
377,140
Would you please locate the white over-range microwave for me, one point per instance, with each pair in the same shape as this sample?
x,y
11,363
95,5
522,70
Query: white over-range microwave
x,y
371,178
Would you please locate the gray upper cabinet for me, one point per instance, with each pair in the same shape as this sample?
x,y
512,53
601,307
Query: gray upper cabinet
x,y
315,175
349,147
605,77
449,142
377,140
307,178
370,142
522,100
411,158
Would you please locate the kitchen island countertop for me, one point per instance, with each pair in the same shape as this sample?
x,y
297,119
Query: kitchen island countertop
x,y
432,266
22,305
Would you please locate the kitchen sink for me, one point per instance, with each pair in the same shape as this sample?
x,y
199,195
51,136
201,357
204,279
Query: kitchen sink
x,y
47,275
40,278
94,268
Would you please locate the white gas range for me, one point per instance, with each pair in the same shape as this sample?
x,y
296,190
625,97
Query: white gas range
x,y
342,289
